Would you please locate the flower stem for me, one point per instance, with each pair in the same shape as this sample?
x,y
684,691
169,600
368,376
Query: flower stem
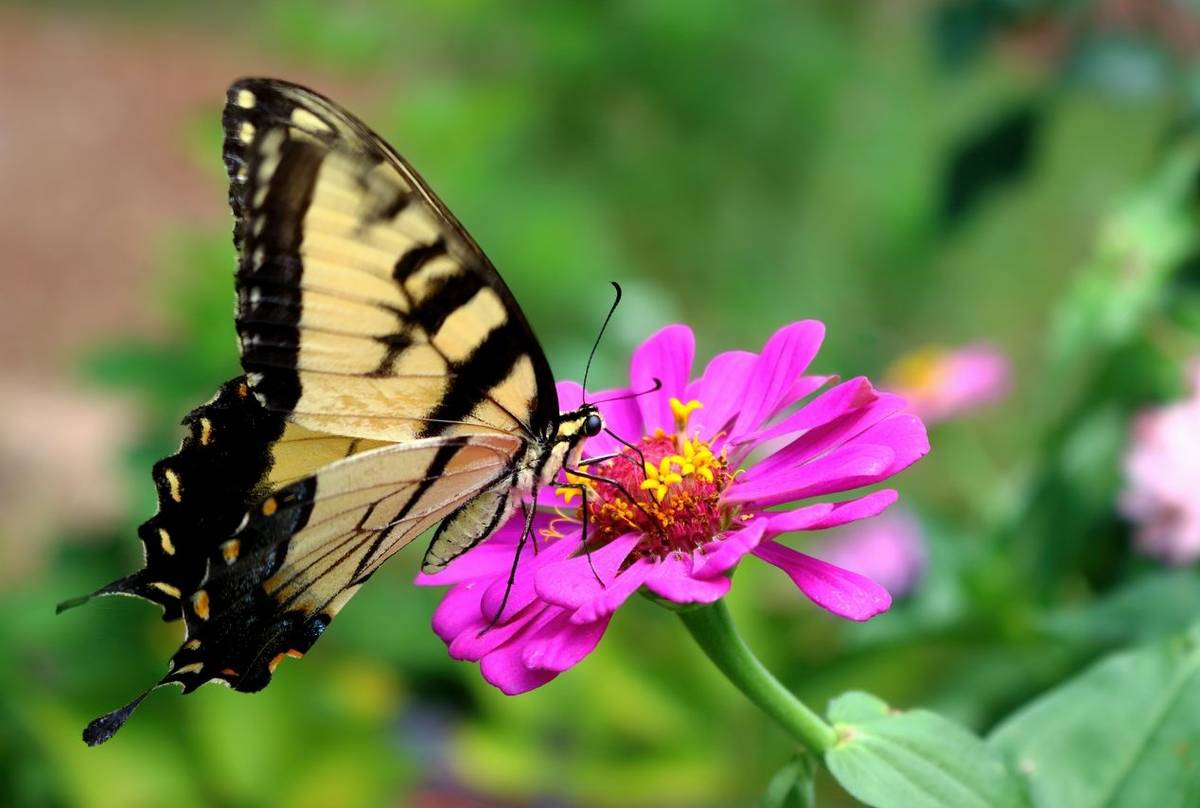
x,y
712,627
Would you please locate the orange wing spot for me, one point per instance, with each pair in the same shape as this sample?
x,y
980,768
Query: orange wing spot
x,y
294,654
269,507
230,549
274,663
229,672
206,429
200,604
243,390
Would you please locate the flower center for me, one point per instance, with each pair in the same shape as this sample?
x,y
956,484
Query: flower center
x,y
667,489
922,369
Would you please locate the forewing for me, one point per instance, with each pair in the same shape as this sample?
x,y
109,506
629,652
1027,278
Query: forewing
x,y
267,588
364,308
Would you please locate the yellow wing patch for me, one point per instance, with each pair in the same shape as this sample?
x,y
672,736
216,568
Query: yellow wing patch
x,y
364,309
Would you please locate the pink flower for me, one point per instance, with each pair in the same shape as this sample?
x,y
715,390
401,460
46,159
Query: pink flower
x,y
940,384
1162,479
719,451
889,549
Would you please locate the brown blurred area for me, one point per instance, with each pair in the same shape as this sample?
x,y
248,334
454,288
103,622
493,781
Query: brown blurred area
x,y
94,161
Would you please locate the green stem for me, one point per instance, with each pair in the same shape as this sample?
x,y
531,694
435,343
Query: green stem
x,y
713,629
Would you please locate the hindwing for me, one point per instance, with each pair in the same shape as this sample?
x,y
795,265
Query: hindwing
x,y
364,308
260,584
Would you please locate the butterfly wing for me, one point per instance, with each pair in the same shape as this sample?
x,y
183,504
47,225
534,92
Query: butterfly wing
x,y
256,591
364,308
367,316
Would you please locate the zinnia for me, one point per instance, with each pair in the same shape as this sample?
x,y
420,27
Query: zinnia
x,y
1162,477
710,457
942,383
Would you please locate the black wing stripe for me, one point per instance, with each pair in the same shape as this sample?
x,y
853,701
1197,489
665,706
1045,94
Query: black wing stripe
x,y
275,252
488,365
416,257
436,468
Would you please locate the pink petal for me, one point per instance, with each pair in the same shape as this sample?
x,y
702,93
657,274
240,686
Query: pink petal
x,y
481,638
458,611
495,555
503,666
720,391
571,583
522,592
505,671
846,594
546,648
615,594
482,562
805,386
622,417
843,469
889,550
724,554
817,440
667,355
824,515
672,579
906,436
785,356
834,402
570,395
562,643
879,452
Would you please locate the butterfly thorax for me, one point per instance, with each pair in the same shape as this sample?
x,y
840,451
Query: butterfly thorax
x,y
565,444
562,446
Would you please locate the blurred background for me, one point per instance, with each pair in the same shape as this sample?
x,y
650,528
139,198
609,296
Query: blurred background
x,y
1020,175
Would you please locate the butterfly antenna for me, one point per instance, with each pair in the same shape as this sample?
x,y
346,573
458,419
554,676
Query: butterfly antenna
x,y
652,389
612,309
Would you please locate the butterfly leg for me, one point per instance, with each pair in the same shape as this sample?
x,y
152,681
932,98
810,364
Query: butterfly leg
x,y
578,472
583,493
526,532
591,461
631,447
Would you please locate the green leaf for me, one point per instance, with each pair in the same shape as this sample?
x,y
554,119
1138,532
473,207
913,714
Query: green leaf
x,y
792,786
1153,606
1125,732
914,759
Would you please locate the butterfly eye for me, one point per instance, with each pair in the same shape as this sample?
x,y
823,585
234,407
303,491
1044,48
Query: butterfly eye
x,y
592,425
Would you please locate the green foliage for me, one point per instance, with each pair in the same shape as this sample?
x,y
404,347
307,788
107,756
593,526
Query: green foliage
x,y
914,759
792,786
1124,732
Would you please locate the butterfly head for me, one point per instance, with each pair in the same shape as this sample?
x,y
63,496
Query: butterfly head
x,y
574,426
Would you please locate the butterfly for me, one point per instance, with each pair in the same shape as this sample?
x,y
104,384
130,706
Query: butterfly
x,y
391,382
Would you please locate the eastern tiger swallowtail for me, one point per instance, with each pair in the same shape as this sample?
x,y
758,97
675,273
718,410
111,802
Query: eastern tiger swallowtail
x,y
391,381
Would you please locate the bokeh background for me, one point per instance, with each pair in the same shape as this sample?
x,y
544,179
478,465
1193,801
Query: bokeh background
x,y
911,172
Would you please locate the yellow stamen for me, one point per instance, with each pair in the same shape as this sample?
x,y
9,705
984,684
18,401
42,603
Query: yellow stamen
x,y
683,411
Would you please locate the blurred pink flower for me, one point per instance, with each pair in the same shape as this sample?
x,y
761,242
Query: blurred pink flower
x,y
941,383
889,549
1162,479
700,505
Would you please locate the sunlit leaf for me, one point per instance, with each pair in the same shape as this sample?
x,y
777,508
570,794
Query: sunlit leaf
x,y
1125,732
914,759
